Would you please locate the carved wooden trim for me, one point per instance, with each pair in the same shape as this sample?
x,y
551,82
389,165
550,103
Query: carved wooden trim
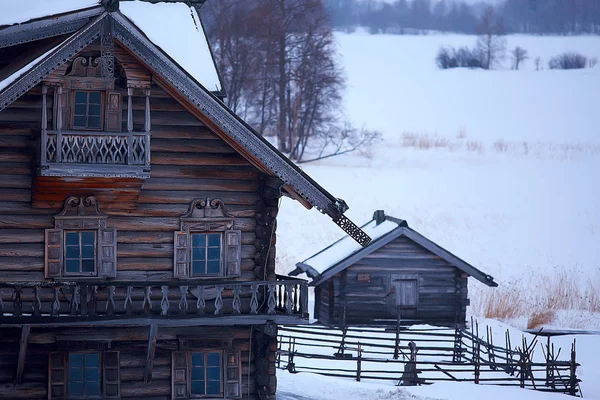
x,y
206,215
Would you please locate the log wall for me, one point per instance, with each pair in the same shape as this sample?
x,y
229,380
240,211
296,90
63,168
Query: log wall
x,y
442,288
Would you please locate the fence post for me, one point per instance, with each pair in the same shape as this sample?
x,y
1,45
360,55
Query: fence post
x,y
457,354
476,356
573,371
397,342
358,362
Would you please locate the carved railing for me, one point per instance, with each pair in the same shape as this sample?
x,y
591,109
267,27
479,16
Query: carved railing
x,y
127,148
39,302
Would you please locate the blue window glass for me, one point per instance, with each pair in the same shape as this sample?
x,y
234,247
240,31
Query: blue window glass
x,y
206,373
87,110
84,375
80,252
206,254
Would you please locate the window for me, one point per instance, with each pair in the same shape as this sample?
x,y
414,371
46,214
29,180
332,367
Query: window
x,y
80,252
84,375
206,373
87,110
206,245
206,254
72,251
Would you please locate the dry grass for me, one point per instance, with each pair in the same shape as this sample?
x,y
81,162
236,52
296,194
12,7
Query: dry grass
x,y
538,296
540,318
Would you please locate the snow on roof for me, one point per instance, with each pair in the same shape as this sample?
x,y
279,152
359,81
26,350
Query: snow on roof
x,y
347,246
16,75
176,28
19,11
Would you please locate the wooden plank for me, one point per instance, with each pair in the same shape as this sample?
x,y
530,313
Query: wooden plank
x,y
150,354
25,330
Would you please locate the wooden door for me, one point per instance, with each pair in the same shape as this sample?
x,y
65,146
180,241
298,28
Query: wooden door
x,y
406,288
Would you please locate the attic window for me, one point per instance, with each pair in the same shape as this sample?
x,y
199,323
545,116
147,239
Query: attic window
x,y
88,110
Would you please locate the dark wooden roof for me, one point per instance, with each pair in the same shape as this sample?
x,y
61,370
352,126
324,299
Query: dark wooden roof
x,y
401,230
86,26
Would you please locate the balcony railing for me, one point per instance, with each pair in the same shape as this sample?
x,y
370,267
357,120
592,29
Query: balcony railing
x,y
95,153
64,302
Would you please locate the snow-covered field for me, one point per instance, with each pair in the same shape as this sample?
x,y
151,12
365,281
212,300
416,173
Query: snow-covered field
x,y
500,167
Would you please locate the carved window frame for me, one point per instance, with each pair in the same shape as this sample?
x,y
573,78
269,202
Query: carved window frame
x,y
207,216
81,214
231,368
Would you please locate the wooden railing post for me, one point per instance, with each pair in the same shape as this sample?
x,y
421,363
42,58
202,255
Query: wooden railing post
x,y
147,127
59,123
129,126
358,362
44,143
304,299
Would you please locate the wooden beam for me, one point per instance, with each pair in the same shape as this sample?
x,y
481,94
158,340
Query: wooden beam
x,y
150,354
22,352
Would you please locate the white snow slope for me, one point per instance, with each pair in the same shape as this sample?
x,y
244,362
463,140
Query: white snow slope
x,y
499,167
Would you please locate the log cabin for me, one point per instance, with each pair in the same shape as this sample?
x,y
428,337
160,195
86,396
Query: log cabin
x,y
401,277
137,212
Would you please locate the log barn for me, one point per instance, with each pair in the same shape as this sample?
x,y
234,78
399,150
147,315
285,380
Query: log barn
x,y
137,212
401,275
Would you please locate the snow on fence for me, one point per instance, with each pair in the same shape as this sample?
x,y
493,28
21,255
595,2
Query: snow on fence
x,y
425,355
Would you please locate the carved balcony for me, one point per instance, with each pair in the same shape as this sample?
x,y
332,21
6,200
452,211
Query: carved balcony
x,y
95,154
178,303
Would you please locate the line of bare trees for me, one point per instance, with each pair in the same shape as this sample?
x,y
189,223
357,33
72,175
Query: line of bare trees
x,y
411,16
278,62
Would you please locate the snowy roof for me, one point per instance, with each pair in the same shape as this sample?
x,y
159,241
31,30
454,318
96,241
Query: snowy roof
x,y
17,74
178,32
346,246
19,11
175,28
382,229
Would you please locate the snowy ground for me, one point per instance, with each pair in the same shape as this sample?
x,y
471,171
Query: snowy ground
x,y
499,167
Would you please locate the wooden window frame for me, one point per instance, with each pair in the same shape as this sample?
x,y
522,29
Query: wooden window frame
x,y
95,259
103,95
395,279
100,378
81,214
221,255
222,373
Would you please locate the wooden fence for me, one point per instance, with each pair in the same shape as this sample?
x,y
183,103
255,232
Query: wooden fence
x,y
421,356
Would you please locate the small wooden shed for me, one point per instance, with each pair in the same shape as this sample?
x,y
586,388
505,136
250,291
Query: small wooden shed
x,y
401,273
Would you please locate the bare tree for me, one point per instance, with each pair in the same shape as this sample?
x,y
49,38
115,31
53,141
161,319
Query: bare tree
x,y
519,55
491,44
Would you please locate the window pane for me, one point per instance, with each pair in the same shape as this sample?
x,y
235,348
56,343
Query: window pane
x,y
72,238
75,360
199,240
213,359
198,373
92,361
72,252
214,253
75,388
198,253
92,388
81,97
93,122
75,374
79,121
87,252
214,267
213,387
87,265
95,98
199,267
198,387
94,109
72,266
214,239
197,359
80,109
213,374
88,238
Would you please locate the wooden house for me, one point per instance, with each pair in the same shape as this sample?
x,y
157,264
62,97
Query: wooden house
x,y
401,274
137,212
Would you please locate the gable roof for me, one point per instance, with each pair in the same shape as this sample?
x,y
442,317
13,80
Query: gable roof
x,y
382,229
175,78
